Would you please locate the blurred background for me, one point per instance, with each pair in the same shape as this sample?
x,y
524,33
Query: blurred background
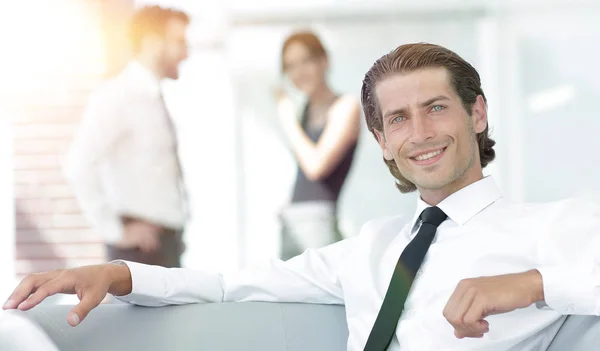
x,y
538,61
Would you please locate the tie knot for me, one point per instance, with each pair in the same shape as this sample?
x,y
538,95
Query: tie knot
x,y
433,215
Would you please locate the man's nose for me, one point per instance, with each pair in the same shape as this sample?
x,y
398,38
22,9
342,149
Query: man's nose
x,y
421,129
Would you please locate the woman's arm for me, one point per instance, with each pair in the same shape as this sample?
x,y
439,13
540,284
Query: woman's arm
x,y
317,160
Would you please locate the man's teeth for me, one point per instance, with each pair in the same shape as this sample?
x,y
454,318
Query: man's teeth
x,y
429,155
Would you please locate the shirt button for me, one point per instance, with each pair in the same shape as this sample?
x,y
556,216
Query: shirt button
x,y
419,273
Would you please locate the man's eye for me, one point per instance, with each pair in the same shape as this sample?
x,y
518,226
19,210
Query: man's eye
x,y
397,119
437,108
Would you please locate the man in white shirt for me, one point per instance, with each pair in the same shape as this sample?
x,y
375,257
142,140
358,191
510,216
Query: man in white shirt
x,y
123,164
498,275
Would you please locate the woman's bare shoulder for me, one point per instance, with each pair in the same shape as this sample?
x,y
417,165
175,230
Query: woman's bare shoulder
x,y
346,104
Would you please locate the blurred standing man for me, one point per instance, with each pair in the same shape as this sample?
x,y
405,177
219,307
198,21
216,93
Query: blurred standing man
x,y
123,164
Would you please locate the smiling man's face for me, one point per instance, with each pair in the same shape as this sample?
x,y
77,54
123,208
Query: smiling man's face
x,y
427,131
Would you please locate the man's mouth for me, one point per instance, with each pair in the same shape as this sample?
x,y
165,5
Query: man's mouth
x,y
429,158
428,155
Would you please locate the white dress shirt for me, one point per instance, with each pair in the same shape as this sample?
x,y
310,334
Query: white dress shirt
x,y
484,235
123,160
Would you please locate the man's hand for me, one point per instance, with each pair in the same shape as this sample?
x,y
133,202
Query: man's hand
x,y
141,234
476,298
90,283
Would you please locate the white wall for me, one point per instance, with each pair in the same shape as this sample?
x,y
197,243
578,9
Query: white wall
x,y
7,214
559,85
201,104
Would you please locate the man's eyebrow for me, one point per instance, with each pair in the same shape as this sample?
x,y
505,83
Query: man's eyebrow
x,y
432,100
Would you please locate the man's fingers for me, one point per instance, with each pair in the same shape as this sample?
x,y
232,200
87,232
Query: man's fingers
x,y
89,301
473,331
456,313
473,319
28,286
52,287
146,246
461,336
155,245
150,243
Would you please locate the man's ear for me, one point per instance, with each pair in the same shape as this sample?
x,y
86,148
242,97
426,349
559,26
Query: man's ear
x,y
383,144
151,43
479,115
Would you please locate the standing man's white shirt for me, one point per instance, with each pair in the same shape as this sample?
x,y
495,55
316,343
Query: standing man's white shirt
x,y
484,235
123,161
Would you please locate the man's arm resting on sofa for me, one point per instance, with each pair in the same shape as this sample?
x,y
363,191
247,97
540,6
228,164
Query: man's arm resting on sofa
x,y
311,277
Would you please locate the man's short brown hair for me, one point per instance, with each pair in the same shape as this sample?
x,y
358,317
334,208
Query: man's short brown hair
x,y
151,20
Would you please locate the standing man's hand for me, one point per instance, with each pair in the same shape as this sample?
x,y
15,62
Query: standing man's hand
x,y
141,234
90,283
476,298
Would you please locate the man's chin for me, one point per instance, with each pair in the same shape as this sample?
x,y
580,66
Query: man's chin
x,y
430,183
172,74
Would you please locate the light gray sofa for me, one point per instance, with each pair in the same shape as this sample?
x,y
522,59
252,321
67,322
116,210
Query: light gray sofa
x,y
220,327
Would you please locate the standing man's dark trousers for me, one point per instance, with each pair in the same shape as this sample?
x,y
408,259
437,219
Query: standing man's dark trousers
x,y
168,255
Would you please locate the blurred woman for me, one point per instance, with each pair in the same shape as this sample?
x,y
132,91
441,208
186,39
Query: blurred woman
x,y
323,139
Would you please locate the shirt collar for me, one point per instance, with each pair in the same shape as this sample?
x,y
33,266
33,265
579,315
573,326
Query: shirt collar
x,y
143,76
465,203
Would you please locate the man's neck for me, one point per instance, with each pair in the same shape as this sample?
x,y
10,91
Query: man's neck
x,y
434,196
151,65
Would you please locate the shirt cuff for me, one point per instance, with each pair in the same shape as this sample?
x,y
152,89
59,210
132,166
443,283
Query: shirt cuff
x,y
146,289
569,291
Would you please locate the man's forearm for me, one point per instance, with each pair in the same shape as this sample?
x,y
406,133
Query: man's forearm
x,y
120,277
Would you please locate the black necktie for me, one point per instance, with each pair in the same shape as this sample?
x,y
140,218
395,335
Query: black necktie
x,y
402,279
